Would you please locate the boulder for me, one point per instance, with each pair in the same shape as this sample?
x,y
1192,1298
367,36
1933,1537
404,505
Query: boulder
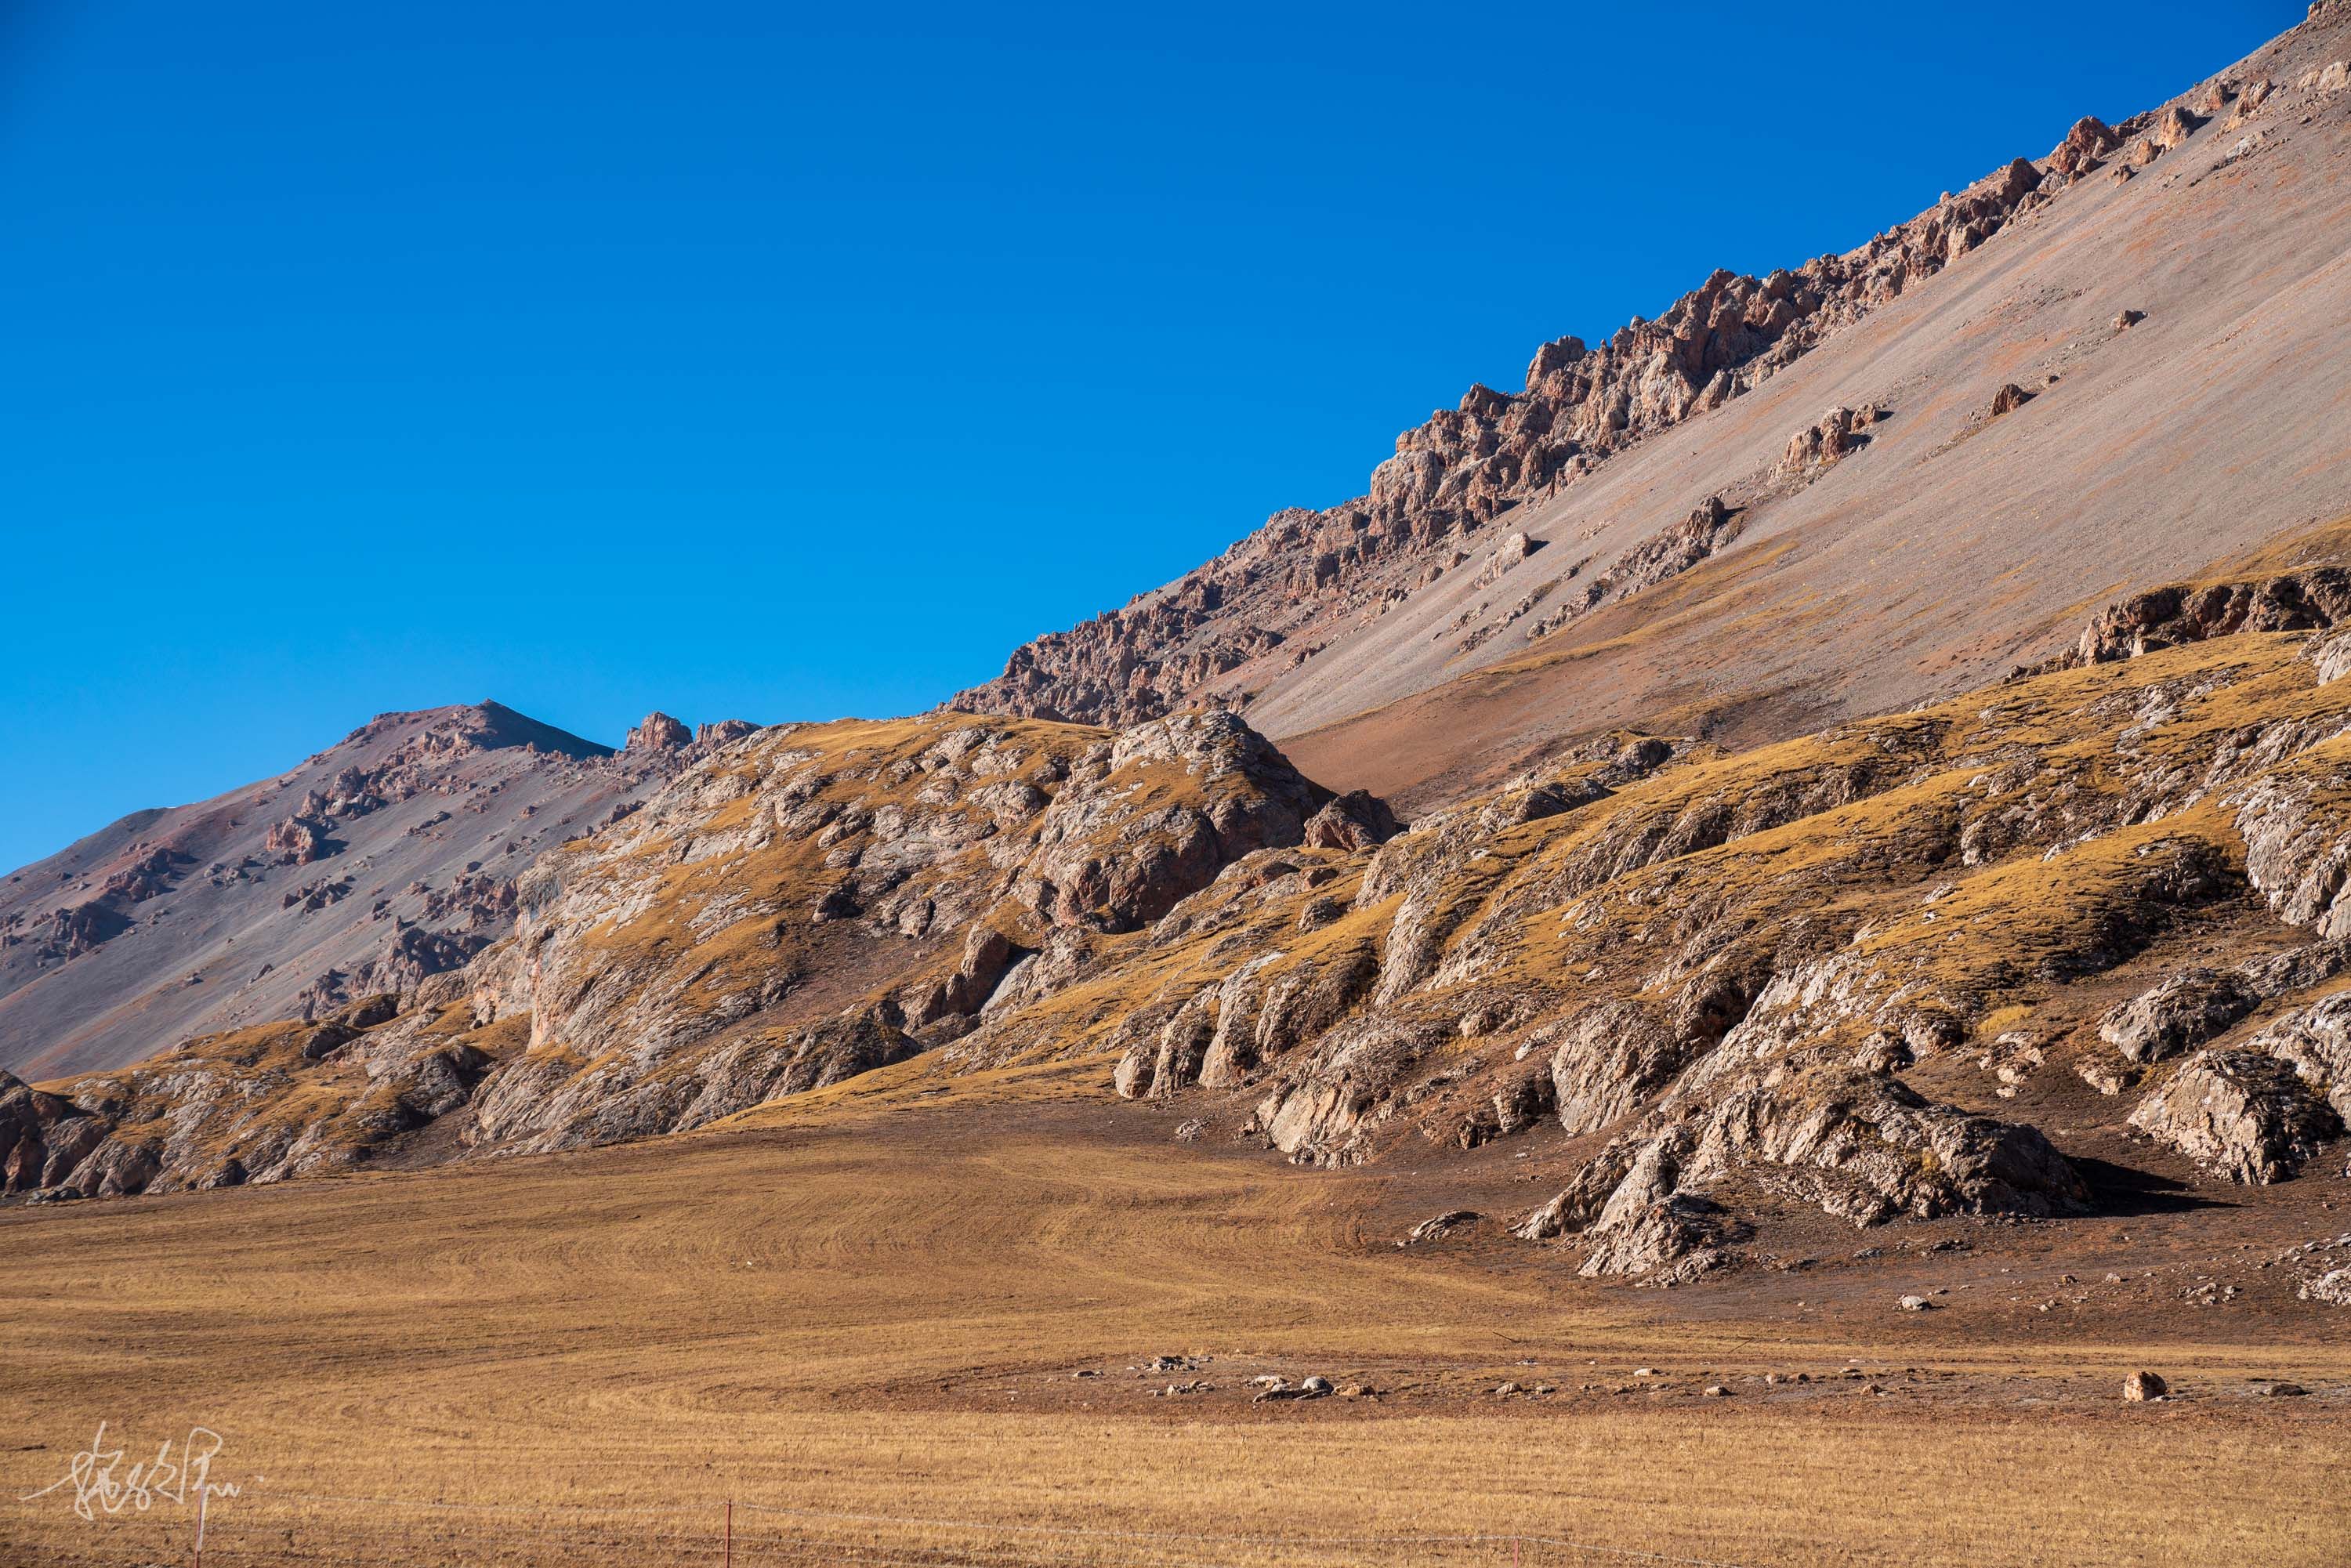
x,y
2141,1386
658,733
1358,819
1431,1229
2178,1016
2241,1113
2008,398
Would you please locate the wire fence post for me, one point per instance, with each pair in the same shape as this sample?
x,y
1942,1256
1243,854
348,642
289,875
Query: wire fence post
x,y
204,1501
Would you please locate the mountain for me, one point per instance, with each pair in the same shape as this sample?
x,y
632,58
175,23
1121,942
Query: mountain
x,y
1789,500
384,859
1939,805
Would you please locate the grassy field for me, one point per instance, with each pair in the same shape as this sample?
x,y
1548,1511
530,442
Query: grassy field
x,y
869,1309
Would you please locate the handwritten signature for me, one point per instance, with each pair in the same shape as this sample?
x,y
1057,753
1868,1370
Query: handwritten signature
x,y
101,1486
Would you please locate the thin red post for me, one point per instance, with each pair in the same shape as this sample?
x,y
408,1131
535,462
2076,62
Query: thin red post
x,y
730,1534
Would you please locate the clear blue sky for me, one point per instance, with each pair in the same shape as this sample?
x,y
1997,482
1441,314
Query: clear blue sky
x,y
781,362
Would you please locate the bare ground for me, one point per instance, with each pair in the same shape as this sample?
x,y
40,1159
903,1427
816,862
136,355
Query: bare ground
x,y
921,1313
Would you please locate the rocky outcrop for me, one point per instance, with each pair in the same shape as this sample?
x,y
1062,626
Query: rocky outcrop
x,y
2179,1014
2170,616
1820,446
2244,1115
298,840
44,1138
2090,141
2199,1004
658,732
1355,821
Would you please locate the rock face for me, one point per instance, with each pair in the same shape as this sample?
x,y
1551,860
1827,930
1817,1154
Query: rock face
x,y
659,732
2168,616
2246,1114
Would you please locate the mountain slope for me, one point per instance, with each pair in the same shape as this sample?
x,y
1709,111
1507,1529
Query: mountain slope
x,y
2181,277
386,858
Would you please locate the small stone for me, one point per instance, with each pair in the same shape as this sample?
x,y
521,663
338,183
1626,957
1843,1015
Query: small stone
x,y
1716,1391
1915,1304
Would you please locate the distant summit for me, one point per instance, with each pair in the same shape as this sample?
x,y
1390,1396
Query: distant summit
x,y
384,859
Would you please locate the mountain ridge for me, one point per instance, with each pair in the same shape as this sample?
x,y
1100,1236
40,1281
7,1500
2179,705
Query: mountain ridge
x,y
1321,618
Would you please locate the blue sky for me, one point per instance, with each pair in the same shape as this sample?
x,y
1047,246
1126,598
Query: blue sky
x,y
754,360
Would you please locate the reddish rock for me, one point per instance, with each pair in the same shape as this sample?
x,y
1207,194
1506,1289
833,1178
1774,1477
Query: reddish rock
x,y
1355,821
659,732
2090,140
298,840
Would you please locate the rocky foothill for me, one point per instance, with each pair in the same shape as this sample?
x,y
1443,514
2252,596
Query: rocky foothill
x,y
1844,974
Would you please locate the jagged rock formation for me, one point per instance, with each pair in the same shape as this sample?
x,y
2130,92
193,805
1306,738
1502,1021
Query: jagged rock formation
x,y
381,861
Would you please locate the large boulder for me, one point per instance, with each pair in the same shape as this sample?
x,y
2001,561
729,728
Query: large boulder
x,y
2242,1114
2179,1014
658,732
1358,819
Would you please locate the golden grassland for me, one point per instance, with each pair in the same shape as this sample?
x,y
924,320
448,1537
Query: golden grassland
x,y
867,1305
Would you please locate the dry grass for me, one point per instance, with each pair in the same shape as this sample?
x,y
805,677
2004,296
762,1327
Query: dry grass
x,y
870,1300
